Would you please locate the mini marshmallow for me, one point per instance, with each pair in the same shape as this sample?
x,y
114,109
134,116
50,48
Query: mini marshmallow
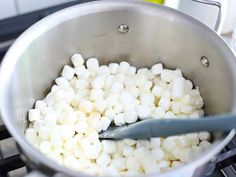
x,y
92,64
128,151
178,87
188,86
126,98
40,104
157,69
158,113
175,107
45,147
143,111
117,88
104,71
166,75
164,104
105,123
205,144
81,84
130,142
81,127
82,72
119,164
67,131
103,160
113,68
98,83
62,83
130,117
147,99
186,109
134,91
34,114
157,154
31,135
96,94
86,106
108,146
155,142
132,164
131,71
204,136
77,59
100,105
68,72
119,119
123,67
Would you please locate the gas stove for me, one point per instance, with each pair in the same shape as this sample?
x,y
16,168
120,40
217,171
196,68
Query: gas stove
x,y
11,164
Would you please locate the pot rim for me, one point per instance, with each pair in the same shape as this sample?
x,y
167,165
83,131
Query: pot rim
x,y
11,57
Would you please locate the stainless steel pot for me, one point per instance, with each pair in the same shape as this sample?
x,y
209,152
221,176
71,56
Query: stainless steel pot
x,y
151,34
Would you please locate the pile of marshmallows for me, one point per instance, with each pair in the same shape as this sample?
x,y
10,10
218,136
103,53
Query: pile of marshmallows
x,y
88,98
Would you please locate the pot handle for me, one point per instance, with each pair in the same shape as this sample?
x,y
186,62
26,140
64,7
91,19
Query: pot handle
x,y
222,5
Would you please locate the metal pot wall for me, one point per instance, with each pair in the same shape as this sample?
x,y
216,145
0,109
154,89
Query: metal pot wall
x,y
155,34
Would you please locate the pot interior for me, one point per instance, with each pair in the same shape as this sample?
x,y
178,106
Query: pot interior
x,y
156,34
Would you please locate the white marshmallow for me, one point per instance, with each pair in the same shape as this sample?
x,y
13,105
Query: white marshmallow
x,y
86,106
40,104
119,119
113,68
128,151
117,87
98,83
205,144
186,109
119,164
188,86
147,99
77,59
123,67
81,127
132,71
96,94
130,142
62,83
45,147
132,163
81,84
34,114
108,146
204,136
126,98
100,105
157,69
105,123
92,64
143,111
164,104
178,87
130,117
157,154
82,72
68,72
155,142
103,160
31,135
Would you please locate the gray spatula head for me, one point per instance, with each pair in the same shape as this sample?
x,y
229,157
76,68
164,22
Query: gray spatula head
x,y
167,127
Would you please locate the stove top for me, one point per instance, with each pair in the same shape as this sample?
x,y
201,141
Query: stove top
x,y
11,164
